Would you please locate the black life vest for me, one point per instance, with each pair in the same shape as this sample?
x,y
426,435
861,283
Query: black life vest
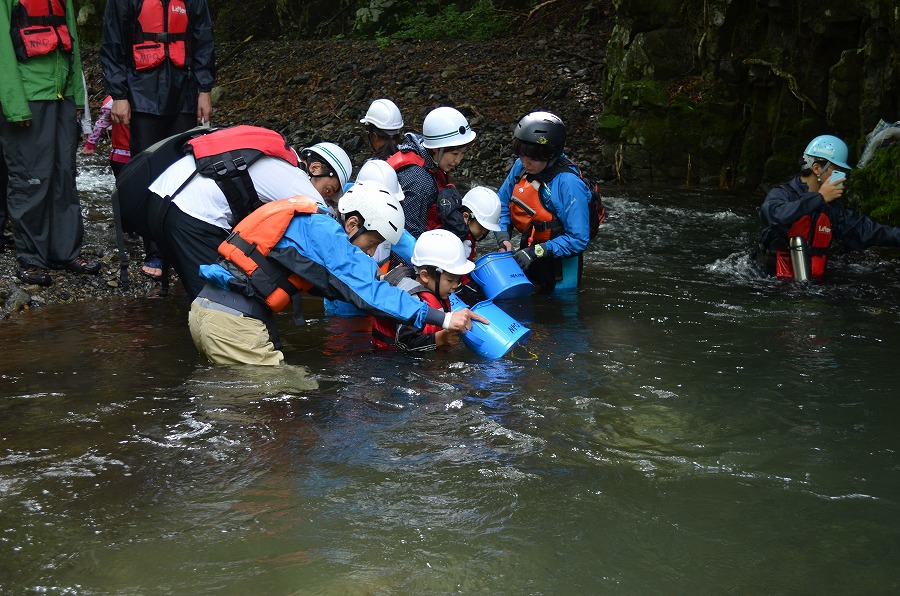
x,y
403,159
39,27
161,33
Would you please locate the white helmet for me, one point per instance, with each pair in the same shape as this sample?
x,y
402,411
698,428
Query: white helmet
x,y
380,210
485,207
446,127
385,115
380,171
336,157
442,249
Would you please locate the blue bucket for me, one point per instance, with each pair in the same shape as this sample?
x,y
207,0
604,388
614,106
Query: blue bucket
x,y
500,277
496,339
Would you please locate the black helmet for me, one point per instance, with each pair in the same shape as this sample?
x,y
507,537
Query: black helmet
x,y
542,128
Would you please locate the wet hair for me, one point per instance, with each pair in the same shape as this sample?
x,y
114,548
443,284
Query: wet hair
x,y
534,151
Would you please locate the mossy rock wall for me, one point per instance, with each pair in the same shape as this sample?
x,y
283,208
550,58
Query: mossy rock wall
x,y
725,92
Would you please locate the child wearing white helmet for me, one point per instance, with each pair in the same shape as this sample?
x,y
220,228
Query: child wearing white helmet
x,y
384,127
289,247
479,212
375,170
439,260
329,168
471,218
424,164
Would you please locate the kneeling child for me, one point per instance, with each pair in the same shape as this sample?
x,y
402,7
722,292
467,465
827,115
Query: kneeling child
x,y
439,259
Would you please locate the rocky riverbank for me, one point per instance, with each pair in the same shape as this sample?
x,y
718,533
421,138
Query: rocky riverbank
x,y
318,90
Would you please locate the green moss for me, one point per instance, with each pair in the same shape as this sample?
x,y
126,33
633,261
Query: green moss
x,y
874,190
482,21
611,121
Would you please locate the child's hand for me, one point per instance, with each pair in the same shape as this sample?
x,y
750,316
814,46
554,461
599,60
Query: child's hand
x,y
446,338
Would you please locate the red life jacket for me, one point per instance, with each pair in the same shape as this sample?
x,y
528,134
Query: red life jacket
x,y
818,238
161,33
250,141
384,330
39,27
226,155
251,241
403,159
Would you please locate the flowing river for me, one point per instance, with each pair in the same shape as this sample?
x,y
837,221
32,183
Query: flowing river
x,y
678,425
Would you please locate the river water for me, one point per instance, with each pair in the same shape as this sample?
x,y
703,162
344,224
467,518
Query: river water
x,y
678,425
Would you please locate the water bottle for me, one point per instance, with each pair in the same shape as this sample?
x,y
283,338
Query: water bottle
x,y
800,258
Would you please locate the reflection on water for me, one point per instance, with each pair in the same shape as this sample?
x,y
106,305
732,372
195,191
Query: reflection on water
x,y
681,424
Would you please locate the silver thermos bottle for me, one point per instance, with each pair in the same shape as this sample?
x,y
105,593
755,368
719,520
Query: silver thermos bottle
x,y
800,258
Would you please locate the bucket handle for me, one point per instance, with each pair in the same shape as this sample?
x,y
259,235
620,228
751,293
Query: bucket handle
x,y
502,256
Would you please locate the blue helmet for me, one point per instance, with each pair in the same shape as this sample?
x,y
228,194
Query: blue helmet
x,y
831,148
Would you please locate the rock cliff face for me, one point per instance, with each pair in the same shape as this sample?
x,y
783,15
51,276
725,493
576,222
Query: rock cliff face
x,y
728,92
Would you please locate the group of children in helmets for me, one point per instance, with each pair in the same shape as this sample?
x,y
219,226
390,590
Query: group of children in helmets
x,y
403,211
543,197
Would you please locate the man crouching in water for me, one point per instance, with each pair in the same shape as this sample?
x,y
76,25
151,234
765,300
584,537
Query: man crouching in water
x,y
807,208
289,246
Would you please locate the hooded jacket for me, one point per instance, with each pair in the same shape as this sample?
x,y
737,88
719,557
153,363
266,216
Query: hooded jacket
x,y
48,77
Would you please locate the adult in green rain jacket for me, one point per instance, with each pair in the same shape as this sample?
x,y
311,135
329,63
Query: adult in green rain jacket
x,y
41,92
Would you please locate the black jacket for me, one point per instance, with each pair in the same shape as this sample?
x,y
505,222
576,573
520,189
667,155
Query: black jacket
x,y
166,90
786,203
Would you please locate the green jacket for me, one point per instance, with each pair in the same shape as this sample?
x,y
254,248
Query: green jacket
x,y
49,77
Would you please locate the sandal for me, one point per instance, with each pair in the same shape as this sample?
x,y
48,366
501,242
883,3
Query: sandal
x,y
152,268
81,265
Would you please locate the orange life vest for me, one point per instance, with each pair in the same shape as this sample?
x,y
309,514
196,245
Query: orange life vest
x,y
403,159
251,241
818,238
38,27
161,33
528,214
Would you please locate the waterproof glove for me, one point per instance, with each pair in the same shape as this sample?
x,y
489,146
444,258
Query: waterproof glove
x,y
526,256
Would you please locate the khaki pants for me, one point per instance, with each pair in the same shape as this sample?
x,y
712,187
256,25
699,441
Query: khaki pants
x,y
231,339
